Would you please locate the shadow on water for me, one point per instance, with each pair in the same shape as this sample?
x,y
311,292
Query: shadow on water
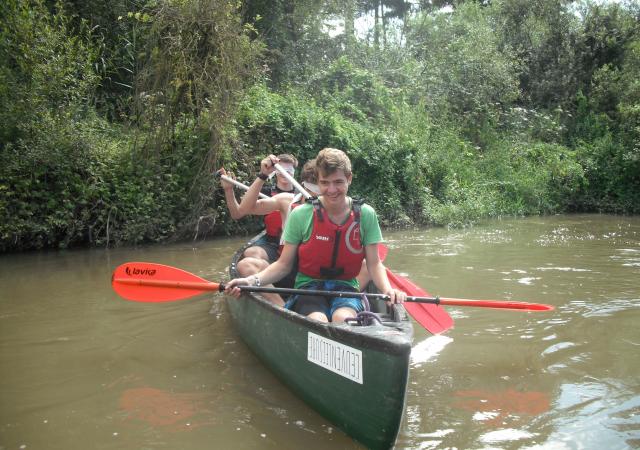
x,y
82,368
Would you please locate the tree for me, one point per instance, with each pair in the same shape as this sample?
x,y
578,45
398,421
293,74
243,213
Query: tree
x,y
464,74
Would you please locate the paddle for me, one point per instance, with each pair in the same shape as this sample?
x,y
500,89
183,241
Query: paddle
x,y
237,183
293,181
151,282
432,317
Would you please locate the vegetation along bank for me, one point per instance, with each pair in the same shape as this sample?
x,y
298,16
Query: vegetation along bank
x,y
116,114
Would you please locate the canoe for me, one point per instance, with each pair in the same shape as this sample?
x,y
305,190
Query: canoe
x,y
354,376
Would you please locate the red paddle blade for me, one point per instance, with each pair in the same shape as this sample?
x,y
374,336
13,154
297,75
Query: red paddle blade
x,y
151,282
432,317
383,250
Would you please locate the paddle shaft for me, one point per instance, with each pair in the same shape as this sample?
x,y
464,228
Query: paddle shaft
x,y
240,185
292,180
219,287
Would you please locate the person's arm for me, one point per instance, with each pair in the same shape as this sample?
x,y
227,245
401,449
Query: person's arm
x,y
273,273
262,207
371,237
230,197
293,234
378,274
250,203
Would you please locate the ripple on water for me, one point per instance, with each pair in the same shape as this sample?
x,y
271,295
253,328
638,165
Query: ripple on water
x,y
563,269
629,257
505,435
603,308
428,349
557,347
596,414
495,237
564,236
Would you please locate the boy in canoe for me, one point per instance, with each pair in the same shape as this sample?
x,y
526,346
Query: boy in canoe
x,y
266,249
330,238
258,257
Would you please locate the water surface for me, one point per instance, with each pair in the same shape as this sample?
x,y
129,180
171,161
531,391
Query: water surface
x,y
81,368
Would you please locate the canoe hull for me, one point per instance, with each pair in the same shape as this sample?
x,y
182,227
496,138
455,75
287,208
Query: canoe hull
x,y
356,377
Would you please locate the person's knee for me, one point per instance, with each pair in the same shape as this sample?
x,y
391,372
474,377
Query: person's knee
x,y
251,266
256,252
341,314
320,317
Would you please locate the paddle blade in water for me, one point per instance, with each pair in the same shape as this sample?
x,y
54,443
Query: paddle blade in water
x,y
432,317
151,282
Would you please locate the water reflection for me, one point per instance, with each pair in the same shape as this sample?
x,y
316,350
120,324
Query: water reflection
x,y
428,349
160,408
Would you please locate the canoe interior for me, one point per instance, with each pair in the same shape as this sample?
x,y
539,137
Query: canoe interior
x,y
354,376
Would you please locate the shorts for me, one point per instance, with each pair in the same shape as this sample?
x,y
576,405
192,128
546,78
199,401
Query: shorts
x,y
307,304
270,245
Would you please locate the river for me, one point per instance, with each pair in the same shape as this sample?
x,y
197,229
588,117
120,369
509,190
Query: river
x,y
82,368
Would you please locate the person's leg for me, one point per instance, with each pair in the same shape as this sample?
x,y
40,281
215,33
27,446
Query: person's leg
x,y
251,265
341,314
248,266
256,251
312,306
343,308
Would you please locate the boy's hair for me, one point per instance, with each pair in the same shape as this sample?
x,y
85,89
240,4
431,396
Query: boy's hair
x,y
330,160
309,172
288,158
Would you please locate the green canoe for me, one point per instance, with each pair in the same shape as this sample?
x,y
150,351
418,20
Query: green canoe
x,y
355,376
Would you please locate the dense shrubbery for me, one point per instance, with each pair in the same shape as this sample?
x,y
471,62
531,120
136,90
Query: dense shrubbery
x,y
114,119
69,177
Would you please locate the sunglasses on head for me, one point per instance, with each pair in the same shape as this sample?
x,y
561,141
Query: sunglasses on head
x,y
289,170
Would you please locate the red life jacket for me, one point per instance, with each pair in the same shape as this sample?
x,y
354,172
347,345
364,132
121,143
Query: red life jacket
x,y
333,251
273,220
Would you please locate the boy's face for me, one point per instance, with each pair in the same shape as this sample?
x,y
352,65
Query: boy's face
x,y
334,187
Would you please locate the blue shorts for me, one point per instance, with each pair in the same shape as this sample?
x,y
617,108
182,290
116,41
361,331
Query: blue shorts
x,y
307,304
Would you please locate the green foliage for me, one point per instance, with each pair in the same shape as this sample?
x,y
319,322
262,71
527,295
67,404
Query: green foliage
x,y
68,177
115,115
543,34
43,67
90,191
353,92
294,123
464,75
613,174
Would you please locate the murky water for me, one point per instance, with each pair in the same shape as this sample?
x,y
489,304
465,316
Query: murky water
x,y
81,368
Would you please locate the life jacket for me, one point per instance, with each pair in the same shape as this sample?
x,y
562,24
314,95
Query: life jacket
x,y
333,251
273,220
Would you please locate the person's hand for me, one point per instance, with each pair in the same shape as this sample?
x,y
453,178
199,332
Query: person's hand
x,y
396,296
225,184
231,288
267,165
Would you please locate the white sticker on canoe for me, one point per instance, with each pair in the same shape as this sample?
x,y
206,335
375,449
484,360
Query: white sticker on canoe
x,y
336,357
